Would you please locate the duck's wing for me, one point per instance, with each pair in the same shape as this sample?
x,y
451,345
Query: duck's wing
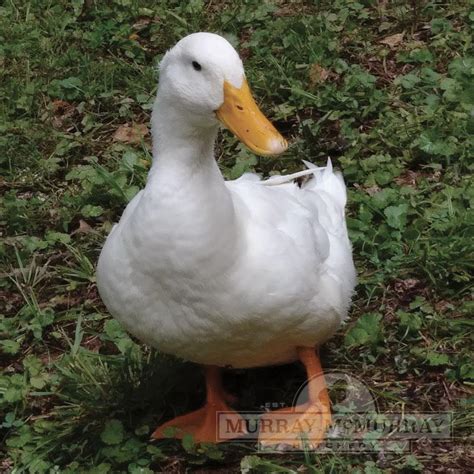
x,y
311,217
326,194
322,198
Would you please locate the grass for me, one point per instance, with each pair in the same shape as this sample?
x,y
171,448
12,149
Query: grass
x,y
383,88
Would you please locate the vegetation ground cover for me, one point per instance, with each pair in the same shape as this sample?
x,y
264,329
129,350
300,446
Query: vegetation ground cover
x,y
386,89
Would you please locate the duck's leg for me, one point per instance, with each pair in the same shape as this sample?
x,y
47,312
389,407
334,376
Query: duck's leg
x,y
305,424
203,423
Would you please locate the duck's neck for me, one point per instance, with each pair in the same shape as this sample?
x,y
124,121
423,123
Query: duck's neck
x,y
179,147
186,187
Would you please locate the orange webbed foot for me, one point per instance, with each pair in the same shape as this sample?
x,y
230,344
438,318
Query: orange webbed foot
x,y
295,427
202,424
305,425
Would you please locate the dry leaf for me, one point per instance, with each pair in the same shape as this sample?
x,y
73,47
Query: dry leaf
x,y
141,24
371,190
84,227
317,74
127,133
406,289
393,40
407,179
62,111
434,177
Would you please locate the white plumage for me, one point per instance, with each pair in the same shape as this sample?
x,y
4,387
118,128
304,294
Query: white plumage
x,y
219,272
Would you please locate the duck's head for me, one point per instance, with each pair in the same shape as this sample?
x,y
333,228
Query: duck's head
x,y
203,78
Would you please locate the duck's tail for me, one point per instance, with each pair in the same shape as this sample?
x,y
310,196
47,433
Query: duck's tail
x,y
325,179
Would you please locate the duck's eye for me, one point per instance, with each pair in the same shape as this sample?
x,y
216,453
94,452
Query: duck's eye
x,y
196,66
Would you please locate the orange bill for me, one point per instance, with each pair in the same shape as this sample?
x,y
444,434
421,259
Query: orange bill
x,y
241,115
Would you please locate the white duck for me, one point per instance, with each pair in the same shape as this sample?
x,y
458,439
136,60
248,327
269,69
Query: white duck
x,y
240,273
